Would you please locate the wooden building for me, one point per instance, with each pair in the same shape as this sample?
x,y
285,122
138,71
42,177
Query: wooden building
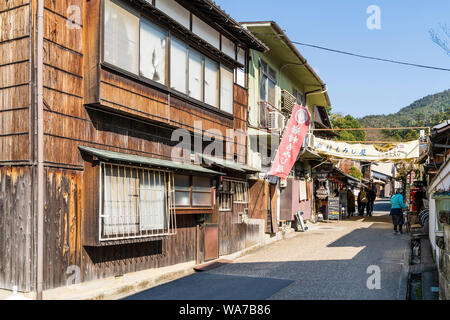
x,y
118,78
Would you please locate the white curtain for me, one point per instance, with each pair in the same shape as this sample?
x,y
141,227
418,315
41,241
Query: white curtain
x,y
226,89
178,67
153,52
195,75
153,201
121,37
211,83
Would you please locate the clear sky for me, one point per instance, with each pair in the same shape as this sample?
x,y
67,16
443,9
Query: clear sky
x,y
358,86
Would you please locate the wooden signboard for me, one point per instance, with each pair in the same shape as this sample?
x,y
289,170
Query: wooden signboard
x,y
333,208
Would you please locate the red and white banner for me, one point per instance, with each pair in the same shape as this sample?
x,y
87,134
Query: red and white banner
x,y
292,141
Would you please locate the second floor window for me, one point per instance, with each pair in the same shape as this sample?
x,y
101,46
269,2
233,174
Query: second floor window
x,y
138,46
268,82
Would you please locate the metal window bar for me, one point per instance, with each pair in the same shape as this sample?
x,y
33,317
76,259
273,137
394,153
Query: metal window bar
x,y
135,202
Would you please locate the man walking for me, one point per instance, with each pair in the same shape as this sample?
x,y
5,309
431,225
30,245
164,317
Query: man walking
x,y
372,195
397,206
363,200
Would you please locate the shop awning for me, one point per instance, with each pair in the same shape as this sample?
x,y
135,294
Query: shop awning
x,y
228,164
146,161
308,154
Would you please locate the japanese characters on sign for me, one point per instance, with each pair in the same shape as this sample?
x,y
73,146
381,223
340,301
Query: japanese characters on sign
x,y
357,151
292,140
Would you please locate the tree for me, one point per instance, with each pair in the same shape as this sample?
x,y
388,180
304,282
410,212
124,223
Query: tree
x,y
355,172
441,40
341,122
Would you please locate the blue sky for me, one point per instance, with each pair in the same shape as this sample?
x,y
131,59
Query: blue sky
x,y
358,86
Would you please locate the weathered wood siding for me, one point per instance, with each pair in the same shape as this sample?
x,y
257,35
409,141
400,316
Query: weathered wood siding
x,y
16,228
83,105
15,77
257,209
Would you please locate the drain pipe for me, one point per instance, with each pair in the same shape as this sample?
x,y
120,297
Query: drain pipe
x,y
40,149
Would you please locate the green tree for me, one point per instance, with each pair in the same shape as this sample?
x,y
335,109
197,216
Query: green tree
x,y
342,122
355,172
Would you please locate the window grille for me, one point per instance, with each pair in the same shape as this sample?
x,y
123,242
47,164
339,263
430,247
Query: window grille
x,y
232,192
135,202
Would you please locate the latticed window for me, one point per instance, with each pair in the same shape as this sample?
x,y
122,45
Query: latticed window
x,y
240,192
232,192
136,202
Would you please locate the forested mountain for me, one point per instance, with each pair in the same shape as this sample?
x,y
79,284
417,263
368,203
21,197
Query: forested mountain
x,y
427,111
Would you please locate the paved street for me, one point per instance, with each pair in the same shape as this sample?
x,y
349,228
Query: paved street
x,y
329,261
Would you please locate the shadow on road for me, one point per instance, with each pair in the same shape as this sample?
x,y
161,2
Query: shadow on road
x,y
341,272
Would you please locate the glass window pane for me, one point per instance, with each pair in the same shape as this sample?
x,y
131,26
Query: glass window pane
x,y
201,199
271,92
202,182
195,75
178,65
121,38
226,89
211,83
153,52
182,182
153,202
182,199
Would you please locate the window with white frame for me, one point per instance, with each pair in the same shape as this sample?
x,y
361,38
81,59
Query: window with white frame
x,y
139,46
135,202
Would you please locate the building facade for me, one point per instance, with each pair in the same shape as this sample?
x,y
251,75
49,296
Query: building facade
x,y
107,108
278,79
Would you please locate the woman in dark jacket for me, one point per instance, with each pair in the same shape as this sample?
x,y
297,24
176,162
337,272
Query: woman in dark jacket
x,y
350,202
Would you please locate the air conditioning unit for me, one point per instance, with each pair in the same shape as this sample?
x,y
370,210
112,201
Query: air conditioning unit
x,y
276,121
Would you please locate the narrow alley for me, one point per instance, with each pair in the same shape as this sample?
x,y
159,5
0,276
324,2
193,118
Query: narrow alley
x,y
331,260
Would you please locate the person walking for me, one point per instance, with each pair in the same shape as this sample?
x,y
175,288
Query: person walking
x,y
363,200
350,202
397,206
418,199
343,201
372,195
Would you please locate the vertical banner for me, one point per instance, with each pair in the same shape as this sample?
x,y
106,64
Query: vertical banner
x,y
292,140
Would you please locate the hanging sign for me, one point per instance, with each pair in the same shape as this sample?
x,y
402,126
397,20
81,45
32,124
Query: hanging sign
x,y
292,140
366,152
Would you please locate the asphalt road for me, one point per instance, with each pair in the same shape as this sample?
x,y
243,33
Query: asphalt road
x,y
331,260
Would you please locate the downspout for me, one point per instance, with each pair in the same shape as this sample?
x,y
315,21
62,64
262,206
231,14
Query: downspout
x,y
40,149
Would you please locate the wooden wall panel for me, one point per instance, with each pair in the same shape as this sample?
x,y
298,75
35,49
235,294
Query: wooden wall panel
x,y
16,228
15,22
10,4
62,218
58,30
